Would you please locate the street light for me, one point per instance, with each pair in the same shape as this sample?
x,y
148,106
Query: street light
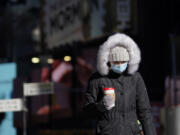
x,y
67,58
35,60
50,60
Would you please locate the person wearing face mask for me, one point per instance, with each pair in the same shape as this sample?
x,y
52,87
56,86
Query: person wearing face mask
x,y
116,94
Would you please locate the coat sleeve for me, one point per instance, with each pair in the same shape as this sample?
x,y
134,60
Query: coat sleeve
x,y
144,111
93,107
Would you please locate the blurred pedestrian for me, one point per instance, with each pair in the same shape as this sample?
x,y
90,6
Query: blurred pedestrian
x,y
116,94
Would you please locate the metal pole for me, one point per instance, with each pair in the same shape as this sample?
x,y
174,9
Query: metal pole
x,y
173,49
24,117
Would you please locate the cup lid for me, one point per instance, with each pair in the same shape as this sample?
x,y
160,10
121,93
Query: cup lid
x,y
109,88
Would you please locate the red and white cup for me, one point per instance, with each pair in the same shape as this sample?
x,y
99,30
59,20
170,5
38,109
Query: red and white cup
x,y
109,91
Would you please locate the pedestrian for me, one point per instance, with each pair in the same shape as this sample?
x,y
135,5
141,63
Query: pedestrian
x,y
116,94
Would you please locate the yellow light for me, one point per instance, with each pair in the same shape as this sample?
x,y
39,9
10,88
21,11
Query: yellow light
x,y
50,61
67,58
35,60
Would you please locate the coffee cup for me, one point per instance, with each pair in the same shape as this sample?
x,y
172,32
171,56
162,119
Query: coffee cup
x,y
109,91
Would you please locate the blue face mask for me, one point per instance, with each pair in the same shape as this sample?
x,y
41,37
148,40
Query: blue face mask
x,y
119,69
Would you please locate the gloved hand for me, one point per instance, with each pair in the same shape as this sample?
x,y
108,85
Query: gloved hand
x,y
109,101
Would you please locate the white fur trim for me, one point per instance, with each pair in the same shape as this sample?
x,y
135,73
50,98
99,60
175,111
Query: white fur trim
x,y
121,40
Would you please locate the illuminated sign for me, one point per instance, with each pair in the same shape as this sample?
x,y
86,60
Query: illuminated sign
x,y
11,105
33,89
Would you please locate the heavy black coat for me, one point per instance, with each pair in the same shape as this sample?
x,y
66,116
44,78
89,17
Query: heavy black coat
x,y
131,103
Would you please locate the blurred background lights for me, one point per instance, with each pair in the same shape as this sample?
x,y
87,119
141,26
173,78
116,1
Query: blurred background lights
x,y
50,60
67,58
36,34
35,60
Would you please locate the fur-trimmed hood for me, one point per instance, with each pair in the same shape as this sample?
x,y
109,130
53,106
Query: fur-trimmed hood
x,y
121,40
